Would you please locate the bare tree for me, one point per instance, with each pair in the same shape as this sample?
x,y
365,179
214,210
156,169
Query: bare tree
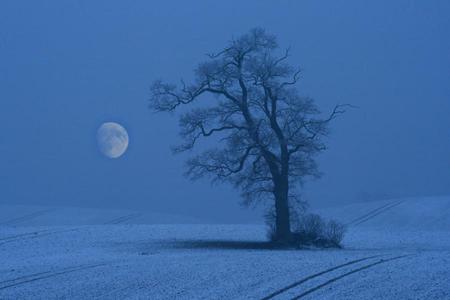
x,y
268,135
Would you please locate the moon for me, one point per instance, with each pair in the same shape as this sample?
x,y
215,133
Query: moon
x,y
112,139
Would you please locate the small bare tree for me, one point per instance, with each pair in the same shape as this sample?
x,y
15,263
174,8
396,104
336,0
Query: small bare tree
x,y
268,134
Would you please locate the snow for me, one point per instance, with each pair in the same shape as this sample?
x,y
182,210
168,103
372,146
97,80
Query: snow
x,y
133,260
27,215
424,213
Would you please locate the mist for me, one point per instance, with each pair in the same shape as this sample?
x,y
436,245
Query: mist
x,y
67,67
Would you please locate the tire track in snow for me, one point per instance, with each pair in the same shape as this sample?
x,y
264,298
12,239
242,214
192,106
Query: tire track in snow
x,y
373,213
122,219
308,278
320,286
44,275
367,214
25,217
379,212
24,277
17,236
305,279
30,236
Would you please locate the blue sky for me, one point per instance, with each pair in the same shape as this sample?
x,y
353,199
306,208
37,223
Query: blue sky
x,y
68,66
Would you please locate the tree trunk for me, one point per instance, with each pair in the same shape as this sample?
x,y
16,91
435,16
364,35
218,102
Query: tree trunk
x,y
283,222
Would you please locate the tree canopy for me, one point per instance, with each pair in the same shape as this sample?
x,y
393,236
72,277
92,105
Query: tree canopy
x,y
269,135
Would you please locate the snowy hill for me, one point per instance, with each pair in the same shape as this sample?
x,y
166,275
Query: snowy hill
x,y
426,213
420,223
27,215
421,213
396,249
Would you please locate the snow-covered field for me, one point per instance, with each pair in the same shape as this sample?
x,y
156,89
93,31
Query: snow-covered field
x,y
396,249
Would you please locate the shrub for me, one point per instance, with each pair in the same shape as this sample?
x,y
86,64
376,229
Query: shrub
x,y
334,233
310,227
309,230
312,230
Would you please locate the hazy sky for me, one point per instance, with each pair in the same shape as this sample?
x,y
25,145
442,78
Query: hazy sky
x,y
68,66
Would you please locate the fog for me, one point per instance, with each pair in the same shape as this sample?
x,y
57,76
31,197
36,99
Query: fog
x,y
68,66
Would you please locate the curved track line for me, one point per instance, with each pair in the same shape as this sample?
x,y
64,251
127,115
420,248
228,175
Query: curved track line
x,y
13,237
379,212
37,236
52,274
276,293
25,217
347,274
25,277
122,219
368,214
